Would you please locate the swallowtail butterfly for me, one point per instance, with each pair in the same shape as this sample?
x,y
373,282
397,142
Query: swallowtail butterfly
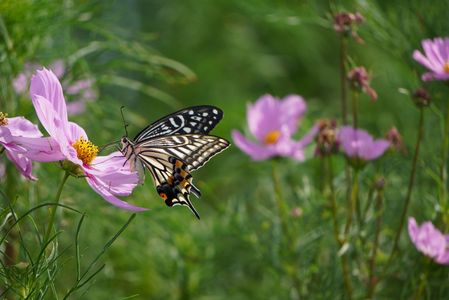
x,y
174,146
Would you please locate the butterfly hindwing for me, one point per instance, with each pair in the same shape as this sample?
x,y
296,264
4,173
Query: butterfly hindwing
x,y
197,119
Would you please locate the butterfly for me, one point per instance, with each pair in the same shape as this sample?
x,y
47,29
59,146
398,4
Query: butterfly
x,y
174,146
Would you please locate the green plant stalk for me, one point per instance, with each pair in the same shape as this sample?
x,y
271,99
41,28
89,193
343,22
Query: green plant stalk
x,y
352,203
11,245
343,81
283,216
51,219
280,203
371,285
343,258
354,96
332,199
410,184
423,281
443,167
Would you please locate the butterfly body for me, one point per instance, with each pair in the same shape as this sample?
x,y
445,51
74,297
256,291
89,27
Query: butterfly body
x,y
174,146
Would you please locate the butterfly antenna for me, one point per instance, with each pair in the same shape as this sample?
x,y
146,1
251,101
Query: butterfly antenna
x,y
124,122
108,145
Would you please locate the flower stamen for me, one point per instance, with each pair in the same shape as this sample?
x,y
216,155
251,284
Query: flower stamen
x,y
3,119
446,67
85,150
272,137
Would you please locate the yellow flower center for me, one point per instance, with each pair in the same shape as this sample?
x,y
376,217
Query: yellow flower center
x,y
3,119
446,67
85,150
272,137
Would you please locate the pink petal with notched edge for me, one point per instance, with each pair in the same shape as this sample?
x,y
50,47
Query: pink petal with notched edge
x,y
113,170
19,126
49,118
256,151
40,149
45,84
75,132
22,163
103,189
60,131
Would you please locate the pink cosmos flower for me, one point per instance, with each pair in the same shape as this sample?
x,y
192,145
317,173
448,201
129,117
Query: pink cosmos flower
x,y
435,58
80,91
11,128
430,241
107,175
359,144
273,122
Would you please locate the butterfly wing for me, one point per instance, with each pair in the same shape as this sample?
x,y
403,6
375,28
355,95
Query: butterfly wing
x,y
193,149
170,159
196,119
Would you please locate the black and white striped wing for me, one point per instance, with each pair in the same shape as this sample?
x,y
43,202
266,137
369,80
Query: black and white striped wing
x,y
192,149
196,119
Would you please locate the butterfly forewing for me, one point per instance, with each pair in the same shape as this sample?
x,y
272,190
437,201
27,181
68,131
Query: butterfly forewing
x,y
197,119
193,149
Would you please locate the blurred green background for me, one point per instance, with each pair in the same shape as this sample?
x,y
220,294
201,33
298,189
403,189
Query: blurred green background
x,y
158,56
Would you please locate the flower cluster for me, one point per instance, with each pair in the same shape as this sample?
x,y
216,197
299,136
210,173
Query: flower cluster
x,y
326,139
359,80
109,175
346,23
79,92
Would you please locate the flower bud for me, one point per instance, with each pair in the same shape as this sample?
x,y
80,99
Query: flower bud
x,y
421,97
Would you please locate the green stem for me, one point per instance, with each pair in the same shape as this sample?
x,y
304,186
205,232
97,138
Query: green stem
x,y
54,207
354,96
423,281
352,203
332,198
343,81
410,184
372,263
282,209
443,167
344,256
283,217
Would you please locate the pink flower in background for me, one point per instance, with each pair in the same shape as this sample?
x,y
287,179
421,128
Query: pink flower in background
x,y
430,241
80,91
11,128
435,58
273,122
107,175
357,143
